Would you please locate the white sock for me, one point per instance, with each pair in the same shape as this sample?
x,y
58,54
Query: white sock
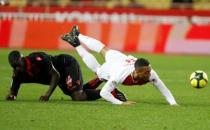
x,y
91,43
88,58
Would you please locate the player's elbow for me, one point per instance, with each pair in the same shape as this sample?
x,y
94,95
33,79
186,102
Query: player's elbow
x,y
103,93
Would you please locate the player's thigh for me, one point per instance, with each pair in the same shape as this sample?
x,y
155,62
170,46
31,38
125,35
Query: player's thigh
x,y
74,71
73,78
113,55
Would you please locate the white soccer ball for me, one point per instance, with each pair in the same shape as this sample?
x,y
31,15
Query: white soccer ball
x,y
198,79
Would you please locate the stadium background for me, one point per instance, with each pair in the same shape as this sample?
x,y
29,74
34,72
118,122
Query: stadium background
x,y
173,34
154,27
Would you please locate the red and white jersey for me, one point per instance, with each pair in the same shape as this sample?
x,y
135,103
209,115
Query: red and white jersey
x,y
118,67
130,81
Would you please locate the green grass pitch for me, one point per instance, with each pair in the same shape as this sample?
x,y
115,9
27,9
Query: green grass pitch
x,y
151,112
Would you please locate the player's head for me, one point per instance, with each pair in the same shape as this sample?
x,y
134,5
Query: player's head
x,y
142,69
14,58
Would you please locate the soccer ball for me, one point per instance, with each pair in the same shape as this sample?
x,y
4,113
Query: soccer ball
x,y
198,79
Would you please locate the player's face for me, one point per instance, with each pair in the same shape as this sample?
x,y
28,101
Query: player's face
x,y
142,73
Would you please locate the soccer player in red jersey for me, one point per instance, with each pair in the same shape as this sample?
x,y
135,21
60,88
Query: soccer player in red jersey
x,y
118,68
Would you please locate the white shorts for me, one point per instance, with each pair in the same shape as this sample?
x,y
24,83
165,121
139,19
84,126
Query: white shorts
x,y
112,58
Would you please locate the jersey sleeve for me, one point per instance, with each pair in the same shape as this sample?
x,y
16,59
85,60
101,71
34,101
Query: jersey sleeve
x,y
106,92
15,83
42,60
158,83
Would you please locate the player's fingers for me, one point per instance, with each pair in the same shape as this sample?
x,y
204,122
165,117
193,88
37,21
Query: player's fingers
x,y
10,97
132,102
175,105
128,103
43,98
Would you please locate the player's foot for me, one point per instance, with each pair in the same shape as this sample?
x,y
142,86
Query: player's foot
x,y
71,39
75,30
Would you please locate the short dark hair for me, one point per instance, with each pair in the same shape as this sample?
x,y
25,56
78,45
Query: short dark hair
x,y
14,58
141,62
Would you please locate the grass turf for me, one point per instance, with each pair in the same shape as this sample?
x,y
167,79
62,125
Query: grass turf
x,y
151,111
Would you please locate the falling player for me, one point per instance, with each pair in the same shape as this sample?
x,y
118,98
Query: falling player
x,y
117,69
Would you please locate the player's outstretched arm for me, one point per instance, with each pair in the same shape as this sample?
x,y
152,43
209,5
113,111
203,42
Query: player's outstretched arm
x,y
158,83
54,81
106,92
15,85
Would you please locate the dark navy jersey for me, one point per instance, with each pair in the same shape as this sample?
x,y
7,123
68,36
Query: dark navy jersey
x,y
37,68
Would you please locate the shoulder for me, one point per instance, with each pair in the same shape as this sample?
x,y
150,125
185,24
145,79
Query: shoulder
x,y
39,56
153,76
65,55
132,57
38,53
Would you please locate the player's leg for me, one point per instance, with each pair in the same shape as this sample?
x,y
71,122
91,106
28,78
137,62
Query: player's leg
x,y
92,94
96,82
99,47
74,82
79,95
92,43
75,38
73,79
95,45
93,84
87,57
119,95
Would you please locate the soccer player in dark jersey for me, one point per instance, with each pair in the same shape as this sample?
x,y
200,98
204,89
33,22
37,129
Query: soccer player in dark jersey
x,y
62,70
118,68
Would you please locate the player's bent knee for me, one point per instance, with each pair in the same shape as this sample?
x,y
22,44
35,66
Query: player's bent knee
x,y
93,94
79,96
104,50
103,93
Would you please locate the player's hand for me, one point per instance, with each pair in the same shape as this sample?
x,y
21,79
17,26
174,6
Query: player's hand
x,y
176,105
10,97
128,103
44,98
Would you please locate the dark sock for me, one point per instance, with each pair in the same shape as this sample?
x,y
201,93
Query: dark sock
x,y
92,84
93,94
119,95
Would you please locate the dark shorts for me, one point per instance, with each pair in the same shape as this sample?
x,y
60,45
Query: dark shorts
x,y
70,72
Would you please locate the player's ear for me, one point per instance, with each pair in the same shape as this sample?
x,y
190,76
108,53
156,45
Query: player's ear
x,y
14,58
